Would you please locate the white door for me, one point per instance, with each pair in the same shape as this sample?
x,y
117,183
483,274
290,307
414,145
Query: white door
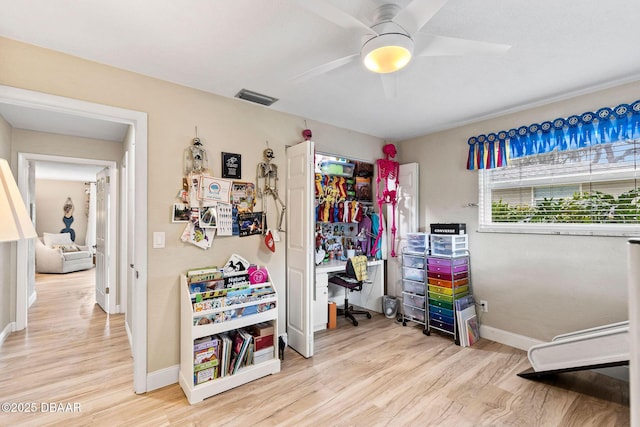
x,y
102,233
407,220
300,229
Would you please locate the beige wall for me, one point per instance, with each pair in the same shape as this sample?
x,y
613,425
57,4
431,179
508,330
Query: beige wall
x,y
173,113
5,252
51,196
536,285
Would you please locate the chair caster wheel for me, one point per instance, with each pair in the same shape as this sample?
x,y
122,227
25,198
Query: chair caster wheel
x,y
355,323
404,323
426,332
368,315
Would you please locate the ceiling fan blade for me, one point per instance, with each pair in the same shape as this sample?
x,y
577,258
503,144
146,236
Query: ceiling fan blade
x,y
325,68
432,45
417,14
390,84
335,15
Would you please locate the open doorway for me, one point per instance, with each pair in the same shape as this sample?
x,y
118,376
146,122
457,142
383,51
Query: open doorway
x,y
73,207
64,110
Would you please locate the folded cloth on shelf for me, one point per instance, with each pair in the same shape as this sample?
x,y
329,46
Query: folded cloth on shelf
x,y
359,264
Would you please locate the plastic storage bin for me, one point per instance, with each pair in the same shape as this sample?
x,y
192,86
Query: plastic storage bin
x,y
414,287
413,300
414,274
417,242
448,245
413,261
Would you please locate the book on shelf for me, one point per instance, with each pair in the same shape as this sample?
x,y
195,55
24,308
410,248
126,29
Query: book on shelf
x,y
205,375
226,354
203,271
241,343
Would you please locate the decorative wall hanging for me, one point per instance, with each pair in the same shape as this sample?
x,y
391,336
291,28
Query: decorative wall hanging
x,y
251,223
214,189
267,183
180,212
67,219
225,219
231,166
243,195
195,157
388,171
606,125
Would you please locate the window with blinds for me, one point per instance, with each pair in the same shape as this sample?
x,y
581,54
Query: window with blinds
x,y
591,190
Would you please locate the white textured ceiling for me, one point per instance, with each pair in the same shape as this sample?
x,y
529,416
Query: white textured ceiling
x,y
558,48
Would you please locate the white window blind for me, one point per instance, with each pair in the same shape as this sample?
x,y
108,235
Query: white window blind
x,y
592,190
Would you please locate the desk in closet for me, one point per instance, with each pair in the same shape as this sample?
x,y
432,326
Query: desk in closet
x,y
369,298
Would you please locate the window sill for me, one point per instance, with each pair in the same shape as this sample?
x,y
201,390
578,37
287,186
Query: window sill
x,y
564,229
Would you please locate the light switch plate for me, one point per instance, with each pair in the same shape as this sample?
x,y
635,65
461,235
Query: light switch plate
x,y
158,239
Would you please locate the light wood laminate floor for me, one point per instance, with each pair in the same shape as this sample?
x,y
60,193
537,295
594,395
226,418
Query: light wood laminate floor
x,y
377,374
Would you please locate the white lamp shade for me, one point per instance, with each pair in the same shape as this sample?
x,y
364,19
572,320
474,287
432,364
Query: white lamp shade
x,y
387,53
15,223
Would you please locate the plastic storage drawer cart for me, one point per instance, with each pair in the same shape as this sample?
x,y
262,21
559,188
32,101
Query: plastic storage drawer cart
x,y
447,280
414,282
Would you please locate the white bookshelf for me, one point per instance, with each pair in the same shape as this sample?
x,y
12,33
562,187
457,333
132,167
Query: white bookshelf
x,y
190,332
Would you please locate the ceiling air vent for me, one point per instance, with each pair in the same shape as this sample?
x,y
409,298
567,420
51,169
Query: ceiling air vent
x,y
256,97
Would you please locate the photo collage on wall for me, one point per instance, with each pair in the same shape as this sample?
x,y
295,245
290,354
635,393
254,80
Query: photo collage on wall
x,y
213,206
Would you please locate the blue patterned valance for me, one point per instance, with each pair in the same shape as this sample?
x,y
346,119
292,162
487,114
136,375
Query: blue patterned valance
x,y
590,128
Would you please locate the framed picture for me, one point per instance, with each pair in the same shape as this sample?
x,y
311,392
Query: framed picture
x,y
181,212
231,165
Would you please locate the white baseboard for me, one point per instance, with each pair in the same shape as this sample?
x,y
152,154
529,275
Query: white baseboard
x,y
508,338
32,298
6,331
163,377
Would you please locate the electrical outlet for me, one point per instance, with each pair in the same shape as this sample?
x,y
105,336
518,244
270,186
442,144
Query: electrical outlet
x,y
484,306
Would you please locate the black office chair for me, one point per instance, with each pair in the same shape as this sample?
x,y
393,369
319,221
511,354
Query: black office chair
x,y
348,280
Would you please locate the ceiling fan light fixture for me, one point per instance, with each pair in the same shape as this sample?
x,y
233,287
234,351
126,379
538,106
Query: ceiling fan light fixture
x,y
387,53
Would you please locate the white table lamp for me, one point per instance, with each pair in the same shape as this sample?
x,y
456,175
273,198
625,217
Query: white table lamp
x,y
15,223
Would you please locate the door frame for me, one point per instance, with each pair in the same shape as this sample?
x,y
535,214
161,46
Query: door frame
x,y
24,185
138,121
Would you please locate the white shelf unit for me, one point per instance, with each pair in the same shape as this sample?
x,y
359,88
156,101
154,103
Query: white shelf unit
x,y
189,333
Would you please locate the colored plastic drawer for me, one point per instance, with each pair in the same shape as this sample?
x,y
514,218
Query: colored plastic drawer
x,y
441,318
448,269
413,261
448,291
444,276
447,283
441,297
413,299
413,312
441,311
447,262
414,287
415,274
433,302
440,325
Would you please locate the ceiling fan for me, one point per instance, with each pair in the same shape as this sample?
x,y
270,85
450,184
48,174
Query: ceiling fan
x,y
394,39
